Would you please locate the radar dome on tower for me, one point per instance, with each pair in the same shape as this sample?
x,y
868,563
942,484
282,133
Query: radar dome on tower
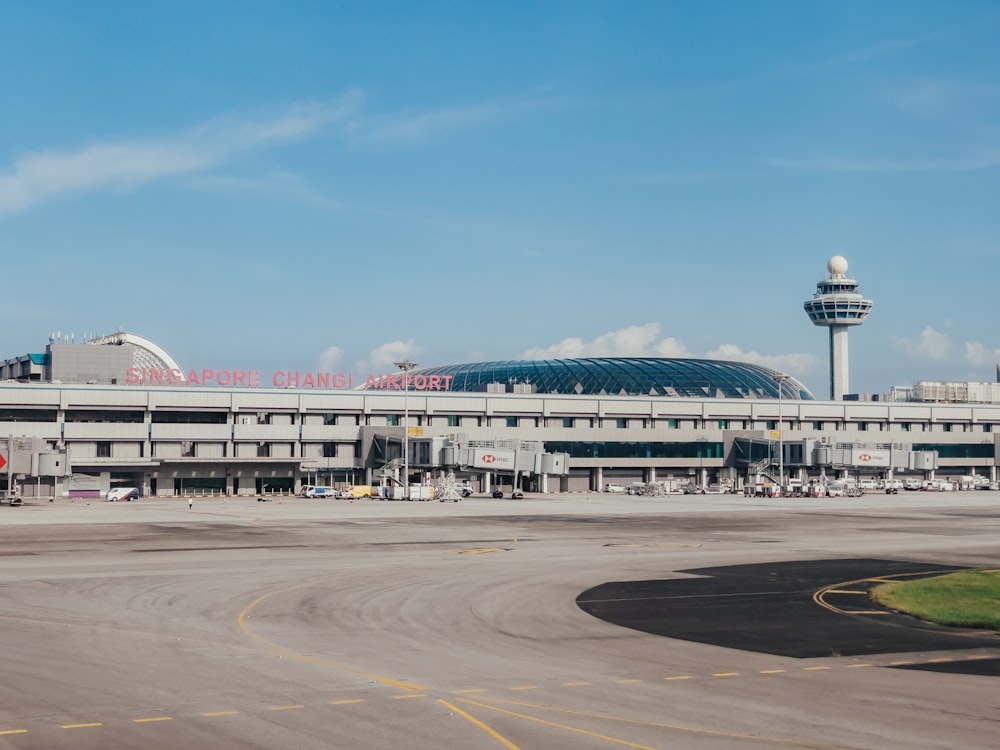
x,y
837,265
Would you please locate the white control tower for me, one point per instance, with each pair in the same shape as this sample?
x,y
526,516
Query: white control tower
x,y
837,305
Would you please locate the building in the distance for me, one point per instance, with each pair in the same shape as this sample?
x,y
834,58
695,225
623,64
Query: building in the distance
x,y
121,411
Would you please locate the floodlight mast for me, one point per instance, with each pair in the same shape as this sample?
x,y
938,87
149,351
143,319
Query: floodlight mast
x,y
406,365
780,378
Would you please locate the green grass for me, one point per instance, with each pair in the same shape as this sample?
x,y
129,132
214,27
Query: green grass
x,y
967,599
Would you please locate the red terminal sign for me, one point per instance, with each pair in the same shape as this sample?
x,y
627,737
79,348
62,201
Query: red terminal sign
x,y
286,379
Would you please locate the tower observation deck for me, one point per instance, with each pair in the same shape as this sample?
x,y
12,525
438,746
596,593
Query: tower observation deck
x,y
837,305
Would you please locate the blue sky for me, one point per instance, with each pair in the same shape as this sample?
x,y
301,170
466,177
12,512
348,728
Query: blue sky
x,y
336,185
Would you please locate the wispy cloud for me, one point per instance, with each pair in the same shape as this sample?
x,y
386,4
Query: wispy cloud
x,y
933,95
986,158
877,50
40,176
279,185
36,177
645,341
420,125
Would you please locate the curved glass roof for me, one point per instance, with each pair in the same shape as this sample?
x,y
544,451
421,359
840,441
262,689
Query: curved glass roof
x,y
627,376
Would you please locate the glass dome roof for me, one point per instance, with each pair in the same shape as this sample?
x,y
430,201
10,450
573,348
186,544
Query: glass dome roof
x,y
626,376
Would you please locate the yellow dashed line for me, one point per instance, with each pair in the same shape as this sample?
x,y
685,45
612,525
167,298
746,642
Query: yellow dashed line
x,y
286,708
469,690
772,671
857,666
725,674
346,701
679,677
844,591
405,696
525,687
575,684
940,661
13,731
899,663
627,682
984,656
82,726
220,713
153,718
814,669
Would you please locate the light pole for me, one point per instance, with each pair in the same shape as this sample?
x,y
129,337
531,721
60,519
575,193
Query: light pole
x,y
780,379
406,365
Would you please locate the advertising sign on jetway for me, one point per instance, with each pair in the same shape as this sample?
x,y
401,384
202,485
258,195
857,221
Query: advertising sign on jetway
x,y
490,458
870,457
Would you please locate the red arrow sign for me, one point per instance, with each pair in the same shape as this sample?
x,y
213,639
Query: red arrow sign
x,y
3,461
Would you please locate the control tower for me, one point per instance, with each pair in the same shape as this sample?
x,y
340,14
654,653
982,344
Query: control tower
x,y
837,305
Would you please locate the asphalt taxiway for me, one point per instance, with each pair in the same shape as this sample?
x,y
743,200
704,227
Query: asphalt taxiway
x,y
575,621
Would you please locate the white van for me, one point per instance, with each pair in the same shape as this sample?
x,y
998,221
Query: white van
x,y
614,487
311,490
123,494
835,489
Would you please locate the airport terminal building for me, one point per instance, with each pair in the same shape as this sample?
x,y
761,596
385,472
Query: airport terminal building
x,y
118,410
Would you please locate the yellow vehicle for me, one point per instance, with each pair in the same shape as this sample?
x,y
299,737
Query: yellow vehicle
x,y
357,491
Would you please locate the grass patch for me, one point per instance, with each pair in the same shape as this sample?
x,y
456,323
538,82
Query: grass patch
x,y
967,599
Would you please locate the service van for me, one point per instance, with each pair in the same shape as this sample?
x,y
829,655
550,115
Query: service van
x,y
313,491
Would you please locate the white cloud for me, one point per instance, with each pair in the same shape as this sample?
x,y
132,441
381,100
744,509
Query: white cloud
x,y
645,341
329,359
633,341
123,165
797,364
383,358
932,345
978,355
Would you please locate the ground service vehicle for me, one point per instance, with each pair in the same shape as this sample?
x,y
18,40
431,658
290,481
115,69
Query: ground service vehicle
x,y
123,493
317,491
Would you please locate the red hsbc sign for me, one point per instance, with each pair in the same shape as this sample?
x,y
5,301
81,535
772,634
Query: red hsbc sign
x,y
872,457
493,459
